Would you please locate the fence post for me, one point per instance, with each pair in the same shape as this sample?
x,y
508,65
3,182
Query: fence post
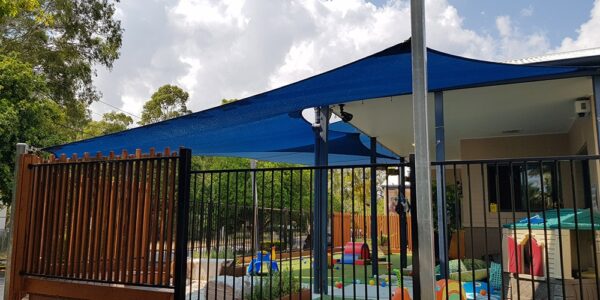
x,y
181,238
373,189
414,225
10,273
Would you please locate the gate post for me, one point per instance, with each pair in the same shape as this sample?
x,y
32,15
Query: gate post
x,y
20,205
183,205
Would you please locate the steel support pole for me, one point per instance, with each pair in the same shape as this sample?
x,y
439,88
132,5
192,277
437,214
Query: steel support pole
x,y
596,88
596,99
320,240
374,229
21,149
422,163
440,155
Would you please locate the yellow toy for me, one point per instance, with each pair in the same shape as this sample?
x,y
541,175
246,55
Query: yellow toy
x,y
454,290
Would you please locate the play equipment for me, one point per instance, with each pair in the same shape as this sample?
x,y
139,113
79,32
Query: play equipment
x,y
475,289
401,294
371,282
355,253
526,242
339,285
263,263
452,286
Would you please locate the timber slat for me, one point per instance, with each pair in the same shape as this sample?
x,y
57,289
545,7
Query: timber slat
x,y
96,219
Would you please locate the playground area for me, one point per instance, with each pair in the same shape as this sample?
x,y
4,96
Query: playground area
x,y
259,245
269,274
346,277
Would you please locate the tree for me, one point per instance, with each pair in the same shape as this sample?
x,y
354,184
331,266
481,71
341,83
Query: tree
x,y
111,122
168,102
12,8
26,115
64,40
227,101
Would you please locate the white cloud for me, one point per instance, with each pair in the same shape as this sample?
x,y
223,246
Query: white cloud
x,y
514,44
235,48
527,11
588,33
503,23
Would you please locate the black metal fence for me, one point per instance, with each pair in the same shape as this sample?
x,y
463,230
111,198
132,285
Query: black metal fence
x,y
505,229
250,233
520,228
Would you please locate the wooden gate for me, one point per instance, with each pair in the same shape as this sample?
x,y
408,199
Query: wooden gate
x,y
91,228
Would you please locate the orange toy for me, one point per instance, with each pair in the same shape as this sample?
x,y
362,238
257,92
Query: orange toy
x,y
454,290
400,294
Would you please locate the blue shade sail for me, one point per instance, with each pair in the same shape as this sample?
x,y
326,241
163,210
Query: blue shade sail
x,y
269,126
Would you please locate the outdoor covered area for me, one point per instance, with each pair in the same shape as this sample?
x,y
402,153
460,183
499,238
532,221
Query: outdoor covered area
x,y
503,147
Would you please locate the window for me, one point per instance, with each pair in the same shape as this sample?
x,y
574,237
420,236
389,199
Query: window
x,y
530,185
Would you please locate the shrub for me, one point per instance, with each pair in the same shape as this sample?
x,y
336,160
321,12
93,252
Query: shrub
x,y
276,286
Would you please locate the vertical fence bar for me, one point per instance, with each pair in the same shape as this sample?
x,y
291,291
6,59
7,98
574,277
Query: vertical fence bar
x,y
415,233
183,205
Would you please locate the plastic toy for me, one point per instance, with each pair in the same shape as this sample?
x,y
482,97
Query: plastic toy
x,y
355,253
371,282
474,289
383,284
401,294
339,285
453,287
262,264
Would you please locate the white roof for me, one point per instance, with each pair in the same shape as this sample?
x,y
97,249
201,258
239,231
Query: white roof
x,y
556,56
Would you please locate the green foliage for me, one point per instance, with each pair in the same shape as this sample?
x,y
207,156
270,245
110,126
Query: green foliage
x,y
64,40
453,195
111,122
12,8
26,115
384,240
276,286
279,245
168,102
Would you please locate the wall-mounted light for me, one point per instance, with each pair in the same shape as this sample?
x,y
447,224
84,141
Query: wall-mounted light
x,y
346,116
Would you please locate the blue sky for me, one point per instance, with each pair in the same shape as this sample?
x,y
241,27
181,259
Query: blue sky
x,y
557,18
218,49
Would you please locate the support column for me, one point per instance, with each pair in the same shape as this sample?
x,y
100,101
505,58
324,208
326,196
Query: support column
x,y
21,149
596,88
374,229
422,163
440,155
321,128
596,114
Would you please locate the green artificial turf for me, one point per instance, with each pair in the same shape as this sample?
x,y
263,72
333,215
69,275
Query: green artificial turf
x,y
341,272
